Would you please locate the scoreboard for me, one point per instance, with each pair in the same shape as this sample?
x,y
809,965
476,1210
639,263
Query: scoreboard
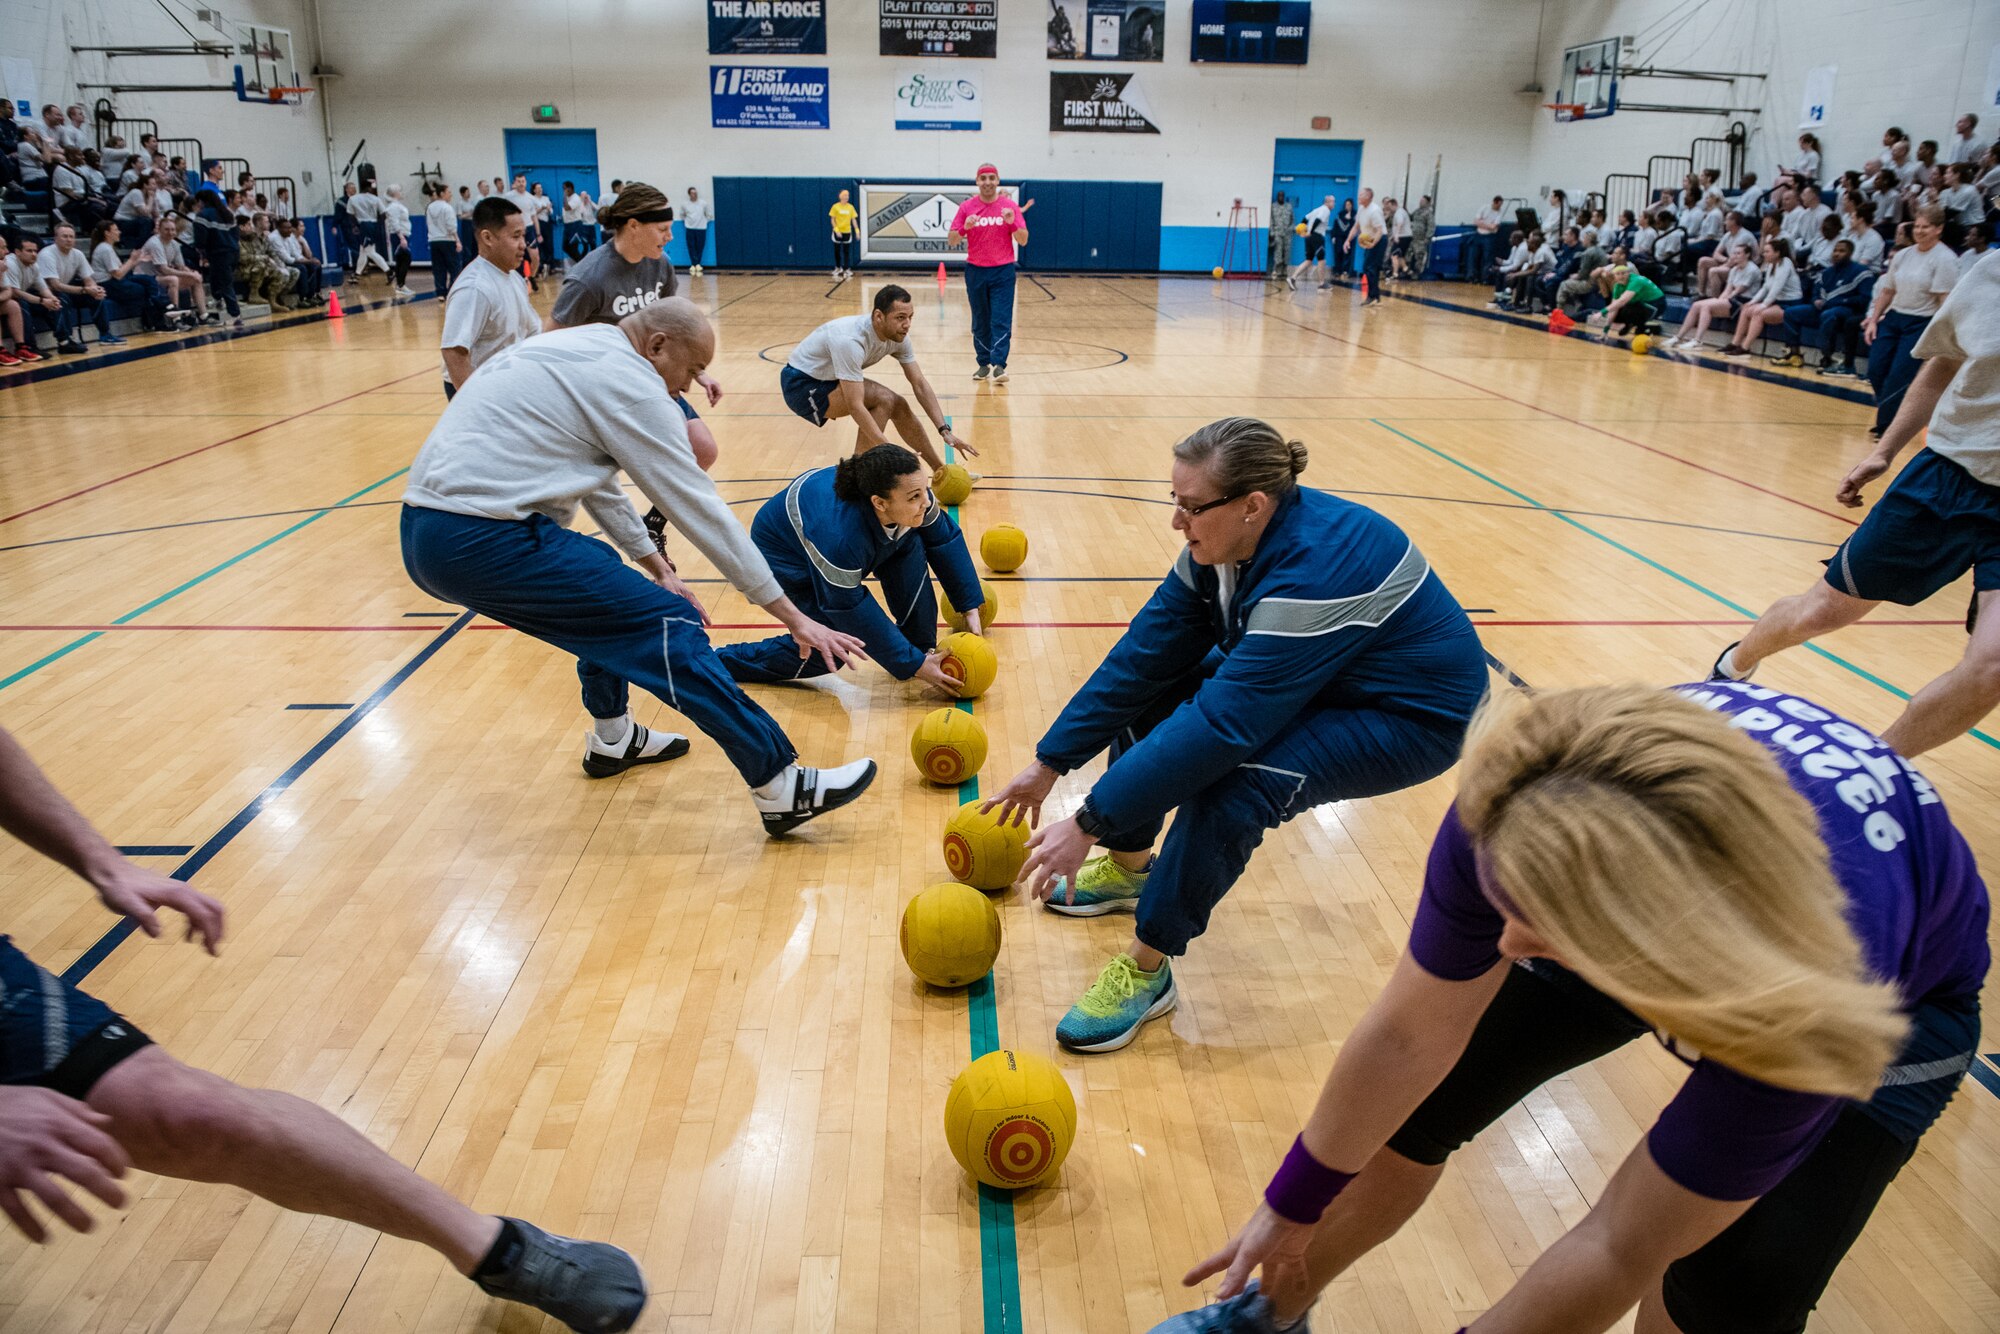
x,y
1251,32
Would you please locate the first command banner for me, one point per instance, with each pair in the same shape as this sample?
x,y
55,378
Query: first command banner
x,y
760,97
767,27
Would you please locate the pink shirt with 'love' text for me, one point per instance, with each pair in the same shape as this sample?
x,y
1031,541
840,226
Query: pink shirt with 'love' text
x,y
989,230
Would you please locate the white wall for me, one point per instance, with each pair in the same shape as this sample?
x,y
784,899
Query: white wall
x,y
429,81
271,139
1913,63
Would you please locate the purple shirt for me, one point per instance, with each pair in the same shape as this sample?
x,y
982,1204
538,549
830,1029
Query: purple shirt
x,y
1915,900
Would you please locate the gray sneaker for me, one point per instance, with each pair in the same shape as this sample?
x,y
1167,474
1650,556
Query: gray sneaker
x,y
982,372
1248,1312
590,1286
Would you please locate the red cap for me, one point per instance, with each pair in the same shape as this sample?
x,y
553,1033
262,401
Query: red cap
x,y
985,167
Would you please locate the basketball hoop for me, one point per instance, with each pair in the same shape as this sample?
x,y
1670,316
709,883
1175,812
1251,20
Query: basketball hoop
x,y
1566,111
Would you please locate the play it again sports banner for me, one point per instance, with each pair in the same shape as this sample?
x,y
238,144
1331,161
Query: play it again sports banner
x,y
767,27
940,27
1097,103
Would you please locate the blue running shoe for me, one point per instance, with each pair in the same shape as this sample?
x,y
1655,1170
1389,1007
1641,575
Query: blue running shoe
x,y
1122,998
588,1285
1102,886
1248,1312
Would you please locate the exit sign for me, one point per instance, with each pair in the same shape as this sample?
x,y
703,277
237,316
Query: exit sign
x,y
546,114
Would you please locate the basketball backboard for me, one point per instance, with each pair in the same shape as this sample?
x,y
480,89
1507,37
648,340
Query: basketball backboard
x,y
265,69
1589,81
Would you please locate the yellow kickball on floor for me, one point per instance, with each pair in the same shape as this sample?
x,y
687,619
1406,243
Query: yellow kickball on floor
x,y
948,746
1010,1119
981,851
1215,272
1641,342
952,485
1004,548
969,660
951,935
989,609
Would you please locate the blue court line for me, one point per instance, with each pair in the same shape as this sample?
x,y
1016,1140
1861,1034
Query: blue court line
x,y
999,1260
175,592
1986,1073
1667,570
185,523
154,849
276,788
319,706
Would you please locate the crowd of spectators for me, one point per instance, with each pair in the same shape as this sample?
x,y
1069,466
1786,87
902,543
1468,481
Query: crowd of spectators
x,y
131,232
1849,267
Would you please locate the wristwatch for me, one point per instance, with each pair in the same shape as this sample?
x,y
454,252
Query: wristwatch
x,y
1089,821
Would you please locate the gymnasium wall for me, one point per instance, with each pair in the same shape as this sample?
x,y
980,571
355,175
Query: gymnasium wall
x,y
1913,63
272,139
440,80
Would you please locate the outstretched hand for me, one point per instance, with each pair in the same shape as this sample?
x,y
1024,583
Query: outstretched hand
x,y
45,1136
1023,796
1276,1244
133,891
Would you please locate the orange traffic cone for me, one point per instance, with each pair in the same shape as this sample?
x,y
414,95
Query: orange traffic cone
x,y
941,278
1560,323
1364,287
333,310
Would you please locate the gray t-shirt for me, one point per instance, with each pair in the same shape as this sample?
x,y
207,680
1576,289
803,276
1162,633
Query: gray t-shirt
x,y
841,349
1966,426
603,287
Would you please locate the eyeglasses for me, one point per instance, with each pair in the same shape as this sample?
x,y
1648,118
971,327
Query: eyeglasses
x,y
1192,511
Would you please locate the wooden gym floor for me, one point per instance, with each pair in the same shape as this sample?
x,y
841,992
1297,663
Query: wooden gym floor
x,y
617,1009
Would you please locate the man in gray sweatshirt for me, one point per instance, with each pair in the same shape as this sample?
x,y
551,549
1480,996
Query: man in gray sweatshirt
x,y
546,425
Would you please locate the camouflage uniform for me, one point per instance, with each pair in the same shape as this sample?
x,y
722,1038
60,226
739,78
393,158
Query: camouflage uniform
x,y
1281,236
265,274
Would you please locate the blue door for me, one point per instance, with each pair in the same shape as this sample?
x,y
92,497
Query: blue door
x,y
550,157
1307,170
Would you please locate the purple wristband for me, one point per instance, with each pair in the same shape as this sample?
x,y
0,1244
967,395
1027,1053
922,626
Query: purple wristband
x,y
1304,1186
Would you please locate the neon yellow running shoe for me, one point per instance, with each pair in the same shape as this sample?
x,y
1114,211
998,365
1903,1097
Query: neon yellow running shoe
x,y
1118,1002
1102,886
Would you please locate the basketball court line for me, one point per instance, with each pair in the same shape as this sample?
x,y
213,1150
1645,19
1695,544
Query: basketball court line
x,y
1549,412
151,467
1671,573
143,608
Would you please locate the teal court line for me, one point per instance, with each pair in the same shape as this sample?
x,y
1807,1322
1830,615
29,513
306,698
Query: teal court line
x,y
999,1259
1667,570
205,575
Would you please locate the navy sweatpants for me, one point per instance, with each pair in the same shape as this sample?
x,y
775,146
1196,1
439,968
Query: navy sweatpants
x,y
991,292
1323,755
1892,361
576,593
906,587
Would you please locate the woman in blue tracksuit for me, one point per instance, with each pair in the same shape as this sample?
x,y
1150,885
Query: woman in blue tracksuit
x,y
1300,652
870,514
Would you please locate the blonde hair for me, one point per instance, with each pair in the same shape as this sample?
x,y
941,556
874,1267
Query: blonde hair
x,y
1666,858
1243,455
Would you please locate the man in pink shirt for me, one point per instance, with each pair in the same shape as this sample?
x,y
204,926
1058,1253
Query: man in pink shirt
x,y
990,227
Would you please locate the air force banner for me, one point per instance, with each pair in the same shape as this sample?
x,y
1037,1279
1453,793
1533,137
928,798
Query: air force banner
x,y
767,27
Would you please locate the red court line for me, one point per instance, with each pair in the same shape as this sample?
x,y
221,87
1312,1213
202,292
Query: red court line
x,y
205,448
1550,412
419,626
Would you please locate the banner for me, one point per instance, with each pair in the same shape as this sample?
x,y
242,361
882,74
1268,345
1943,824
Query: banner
x,y
1992,102
766,27
929,101
940,28
1107,30
1819,97
760,97
17,75
913,222
1098,104
1251,32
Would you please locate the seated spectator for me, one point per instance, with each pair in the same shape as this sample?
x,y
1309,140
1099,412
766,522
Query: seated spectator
x,y
44,308
1987,178
1848,192
242,206
1800,226
1749,196
162,259
121,281
1804,168
1625,234
1741,278
113,157
18,347
1504,271
1868,245
93,172
1961,203
1708,269
291,245
65,267
1668,246
140,208
1541,262
1925,175
1901,164
1636,300
281,205
75,130
1840,300
263,273
71,191
53,129
1965,145
33,157
1919,277
1781,288
1821,255
1885,196
1581,276
1978,240
147,154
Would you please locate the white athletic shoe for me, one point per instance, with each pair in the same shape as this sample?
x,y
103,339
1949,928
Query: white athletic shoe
x,y
800,793
835,275
642,745
404,291
695,270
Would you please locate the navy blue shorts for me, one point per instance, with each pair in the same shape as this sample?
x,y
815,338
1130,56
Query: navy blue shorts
x,y
1935,522
53,1035
806,396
